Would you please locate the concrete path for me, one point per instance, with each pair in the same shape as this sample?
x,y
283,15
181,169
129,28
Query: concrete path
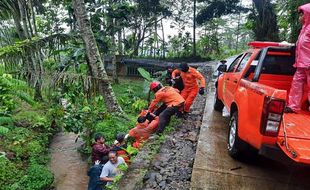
x,y
215,169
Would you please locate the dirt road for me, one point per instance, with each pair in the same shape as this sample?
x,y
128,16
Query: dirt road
x,y
214,169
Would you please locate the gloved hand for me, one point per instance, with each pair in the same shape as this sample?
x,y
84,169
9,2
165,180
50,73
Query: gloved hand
x,y
172,82
201,91
97,162
126,136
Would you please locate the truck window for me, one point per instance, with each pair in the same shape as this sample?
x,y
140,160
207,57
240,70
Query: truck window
x,y
249,74
244,62
234,64
279,65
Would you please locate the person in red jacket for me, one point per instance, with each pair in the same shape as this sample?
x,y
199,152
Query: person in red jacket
x,y
302,63
168,96
100,150
190,76
144,128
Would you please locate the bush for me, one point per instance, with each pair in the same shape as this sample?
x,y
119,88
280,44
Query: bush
x,y
32,119
38,177
113,125
139,104
9,174
26,144
16,140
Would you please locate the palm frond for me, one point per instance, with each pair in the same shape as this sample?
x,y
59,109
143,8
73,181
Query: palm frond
x,y
34,44
25,97
15,88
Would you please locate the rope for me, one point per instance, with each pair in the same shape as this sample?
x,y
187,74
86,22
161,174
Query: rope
x,y
293,153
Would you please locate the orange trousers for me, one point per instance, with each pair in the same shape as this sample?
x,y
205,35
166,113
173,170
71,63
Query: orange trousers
x,y
189,94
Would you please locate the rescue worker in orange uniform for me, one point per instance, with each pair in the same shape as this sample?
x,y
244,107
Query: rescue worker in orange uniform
x,y
168,96
190,76
143,129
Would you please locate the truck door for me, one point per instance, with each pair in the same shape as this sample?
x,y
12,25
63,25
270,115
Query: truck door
x,y
233,76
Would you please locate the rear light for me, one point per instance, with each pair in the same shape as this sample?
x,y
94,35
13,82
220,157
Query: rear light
x,y
272,116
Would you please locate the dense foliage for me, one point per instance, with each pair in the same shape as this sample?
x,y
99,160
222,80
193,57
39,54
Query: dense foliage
x,y
48,75
24,138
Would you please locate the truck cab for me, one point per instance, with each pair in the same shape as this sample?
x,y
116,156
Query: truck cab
x,y
254,89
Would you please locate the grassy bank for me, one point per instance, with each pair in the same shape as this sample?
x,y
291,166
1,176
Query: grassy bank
x,y
24,150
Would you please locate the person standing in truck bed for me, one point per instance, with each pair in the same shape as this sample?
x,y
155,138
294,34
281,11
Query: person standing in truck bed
x,y
302,63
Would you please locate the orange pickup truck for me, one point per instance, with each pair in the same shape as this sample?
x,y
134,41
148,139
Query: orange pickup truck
x,y
254,89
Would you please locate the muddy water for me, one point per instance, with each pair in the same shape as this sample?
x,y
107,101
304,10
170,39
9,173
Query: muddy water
x,y
69,169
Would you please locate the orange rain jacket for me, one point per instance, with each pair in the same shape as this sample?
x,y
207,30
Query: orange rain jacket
x,y
190,78
190,90
169,96
142,131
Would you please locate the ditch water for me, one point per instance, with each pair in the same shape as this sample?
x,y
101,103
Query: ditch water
x,y
69,168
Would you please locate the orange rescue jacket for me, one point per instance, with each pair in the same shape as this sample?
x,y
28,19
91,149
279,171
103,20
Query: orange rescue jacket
x,y
190,78
169,96
142,131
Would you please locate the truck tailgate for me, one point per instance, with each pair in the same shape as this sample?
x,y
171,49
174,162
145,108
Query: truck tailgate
x,y
298,136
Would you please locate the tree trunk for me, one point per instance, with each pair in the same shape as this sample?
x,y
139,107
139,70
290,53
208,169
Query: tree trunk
x,y
266,26
237,33
34,75
35,30
119,36
95,63
19,27
114,71
155,44
21,6
194,30
163,46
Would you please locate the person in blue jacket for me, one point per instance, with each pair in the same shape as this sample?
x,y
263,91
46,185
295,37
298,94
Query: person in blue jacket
x,y
94,172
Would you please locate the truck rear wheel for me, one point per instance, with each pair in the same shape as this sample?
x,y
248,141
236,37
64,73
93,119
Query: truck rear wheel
x,y
235,145
218,104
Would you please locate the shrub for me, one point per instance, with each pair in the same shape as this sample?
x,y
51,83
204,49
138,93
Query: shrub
x,y
37,177
113,125
139,104
26,144
9,174
31,118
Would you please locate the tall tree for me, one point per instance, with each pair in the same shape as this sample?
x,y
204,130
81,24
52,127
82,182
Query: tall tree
x,y
95,64
217,8
264,20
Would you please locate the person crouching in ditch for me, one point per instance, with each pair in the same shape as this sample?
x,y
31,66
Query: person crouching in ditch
x,y
100,150
111,169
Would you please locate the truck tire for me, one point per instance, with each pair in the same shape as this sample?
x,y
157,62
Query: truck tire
x,y
235,145
218,104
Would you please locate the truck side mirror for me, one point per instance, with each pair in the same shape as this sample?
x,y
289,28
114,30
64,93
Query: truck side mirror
x,y
222,68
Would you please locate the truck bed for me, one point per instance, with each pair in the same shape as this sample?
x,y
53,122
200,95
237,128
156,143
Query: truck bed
x,y
298,136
